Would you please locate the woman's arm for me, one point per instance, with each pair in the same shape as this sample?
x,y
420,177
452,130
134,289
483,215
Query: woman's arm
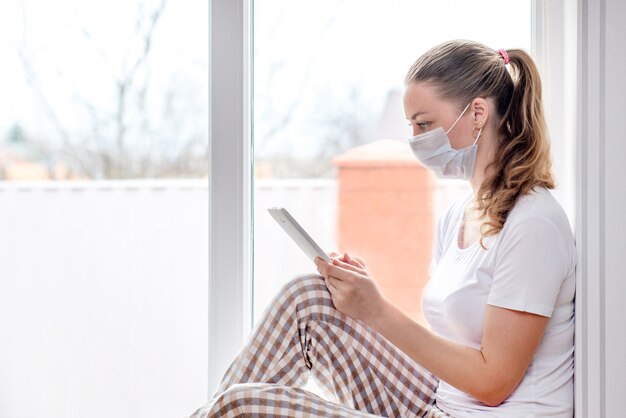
x,y
490,374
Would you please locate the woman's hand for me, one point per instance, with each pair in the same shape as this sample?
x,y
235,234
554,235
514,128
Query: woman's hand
x,y
351,287
357,261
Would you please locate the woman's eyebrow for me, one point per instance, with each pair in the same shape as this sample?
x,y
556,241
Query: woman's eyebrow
x,y
416,114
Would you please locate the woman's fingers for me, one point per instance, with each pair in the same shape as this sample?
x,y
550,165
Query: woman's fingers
x,y
349,266
322,266
330,269
345,257
344,271
354,260
333,284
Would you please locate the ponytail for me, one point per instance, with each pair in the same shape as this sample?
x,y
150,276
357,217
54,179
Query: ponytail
x,y
522,159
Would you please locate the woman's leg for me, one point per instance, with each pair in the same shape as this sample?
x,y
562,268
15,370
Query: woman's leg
x,y
301,333
271,400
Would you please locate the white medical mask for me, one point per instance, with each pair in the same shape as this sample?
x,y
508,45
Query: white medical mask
x,y
433,150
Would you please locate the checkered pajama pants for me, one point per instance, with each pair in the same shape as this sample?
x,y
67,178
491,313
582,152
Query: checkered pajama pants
x,y
302,334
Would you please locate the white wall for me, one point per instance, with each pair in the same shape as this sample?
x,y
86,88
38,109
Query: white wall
x,y
103,299
601,205
615,206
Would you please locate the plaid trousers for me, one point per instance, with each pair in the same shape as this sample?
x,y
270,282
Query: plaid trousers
x,y
302,334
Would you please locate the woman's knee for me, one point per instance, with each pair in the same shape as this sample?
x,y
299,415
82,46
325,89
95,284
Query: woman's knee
x,y
308,289
303,283
242,399
232,401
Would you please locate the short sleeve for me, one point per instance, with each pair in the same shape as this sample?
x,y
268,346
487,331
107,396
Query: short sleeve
x,y
530,266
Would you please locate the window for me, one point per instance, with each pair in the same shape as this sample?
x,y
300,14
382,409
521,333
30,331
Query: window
x,y
231,148
104,196
575,44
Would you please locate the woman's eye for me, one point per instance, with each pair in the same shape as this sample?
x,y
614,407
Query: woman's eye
x,y
421,125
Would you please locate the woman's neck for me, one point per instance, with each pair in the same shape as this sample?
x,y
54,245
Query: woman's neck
x,y
483,158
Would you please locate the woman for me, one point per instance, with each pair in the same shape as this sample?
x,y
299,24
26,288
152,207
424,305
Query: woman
x,y
500,296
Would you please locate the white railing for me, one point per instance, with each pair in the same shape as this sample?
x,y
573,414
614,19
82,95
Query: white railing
x,y
103,299
104,289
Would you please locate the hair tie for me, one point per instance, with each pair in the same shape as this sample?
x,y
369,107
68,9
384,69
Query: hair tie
x,y
505,55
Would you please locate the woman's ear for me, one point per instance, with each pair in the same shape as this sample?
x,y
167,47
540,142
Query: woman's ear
x,y
480,112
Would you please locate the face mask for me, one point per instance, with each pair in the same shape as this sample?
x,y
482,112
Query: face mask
x,y
433,150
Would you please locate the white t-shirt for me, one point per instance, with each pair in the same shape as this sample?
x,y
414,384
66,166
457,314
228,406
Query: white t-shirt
x,y
529,266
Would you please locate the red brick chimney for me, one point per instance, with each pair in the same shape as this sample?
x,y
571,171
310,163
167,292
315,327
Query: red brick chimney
x,y
385,217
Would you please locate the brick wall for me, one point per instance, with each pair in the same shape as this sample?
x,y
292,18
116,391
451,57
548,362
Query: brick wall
x,y
385,215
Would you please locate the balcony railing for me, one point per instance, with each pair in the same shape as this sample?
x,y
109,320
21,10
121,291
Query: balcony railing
x,y
103,298
104,295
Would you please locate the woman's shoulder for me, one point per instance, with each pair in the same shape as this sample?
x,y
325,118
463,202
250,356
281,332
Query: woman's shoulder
x,y
536,209
539,202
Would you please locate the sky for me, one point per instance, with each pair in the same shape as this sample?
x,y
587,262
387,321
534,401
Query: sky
x,y
312,59
312,56
77,50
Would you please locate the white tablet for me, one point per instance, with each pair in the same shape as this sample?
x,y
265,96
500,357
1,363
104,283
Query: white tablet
x,y
298,234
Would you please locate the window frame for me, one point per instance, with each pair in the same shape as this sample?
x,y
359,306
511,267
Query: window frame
x,y
230,193
600,205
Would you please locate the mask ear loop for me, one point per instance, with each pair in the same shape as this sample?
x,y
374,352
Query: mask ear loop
x,y
459,118
477,136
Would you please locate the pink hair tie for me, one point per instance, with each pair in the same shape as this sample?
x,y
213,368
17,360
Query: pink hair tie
x,y
504,55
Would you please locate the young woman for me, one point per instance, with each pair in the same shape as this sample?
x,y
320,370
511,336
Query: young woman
x,y
500,296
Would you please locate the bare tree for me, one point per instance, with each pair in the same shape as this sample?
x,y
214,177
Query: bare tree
x,y
340,122
127,139
278,118
346,123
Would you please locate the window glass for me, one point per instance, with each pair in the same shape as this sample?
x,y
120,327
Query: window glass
x,y
104,289
103,90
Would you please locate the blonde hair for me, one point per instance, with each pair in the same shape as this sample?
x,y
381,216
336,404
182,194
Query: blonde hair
x,y
463,70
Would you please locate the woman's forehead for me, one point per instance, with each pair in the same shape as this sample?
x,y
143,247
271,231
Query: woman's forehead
x,y
421,98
